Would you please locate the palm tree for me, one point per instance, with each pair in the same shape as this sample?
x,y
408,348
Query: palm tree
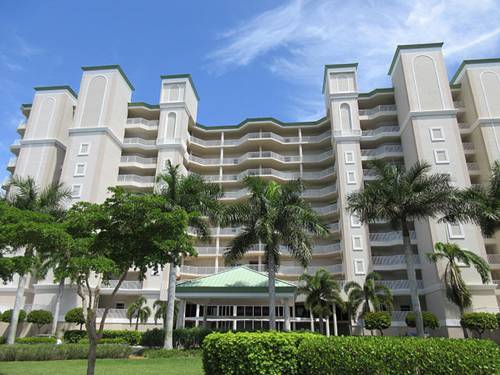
x,y
23,193
398,196
274,215
321,292
139,311
200,200
480,204
160,308
351,305
456,289
371,294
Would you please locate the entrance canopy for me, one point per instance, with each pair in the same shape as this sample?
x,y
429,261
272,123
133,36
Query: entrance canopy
x,y
236,284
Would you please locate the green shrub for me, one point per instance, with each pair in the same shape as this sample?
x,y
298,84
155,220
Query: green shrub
x,y
189,338
379,320
36,340
397,355
7,314
75,316
116,340
245,353
40,317
498,320
479,322
46,352
162,353
131,337
430,320
73,336
3,340
153,338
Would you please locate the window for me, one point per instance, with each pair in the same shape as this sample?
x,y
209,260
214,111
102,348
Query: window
x,y
120,305
351,177
456,231
404,308
437,134
349,157
441,156
84,149
357,243
359,267
355,223
76,191
80,169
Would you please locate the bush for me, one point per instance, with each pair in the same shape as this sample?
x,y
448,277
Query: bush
x,y
73,336
498,319
131,337
36,340
379,320
479,322
47,352
430,320
245,353
162,353
3,340
40,317
153,338
75,316
183,338
7,314
116,340
300,354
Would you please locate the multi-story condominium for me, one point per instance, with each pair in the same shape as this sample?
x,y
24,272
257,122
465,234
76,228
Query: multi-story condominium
x,y
100,138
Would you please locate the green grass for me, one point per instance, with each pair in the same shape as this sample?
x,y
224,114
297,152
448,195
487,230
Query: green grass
x,y
163,366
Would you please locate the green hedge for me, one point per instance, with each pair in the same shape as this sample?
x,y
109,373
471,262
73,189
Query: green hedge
x,y
186,338
245,353
309,354
36,340
7,314
131,337
479,322
162,353
73,336
47,352
429,319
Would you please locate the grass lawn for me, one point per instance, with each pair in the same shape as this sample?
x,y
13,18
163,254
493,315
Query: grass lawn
x,y
164,366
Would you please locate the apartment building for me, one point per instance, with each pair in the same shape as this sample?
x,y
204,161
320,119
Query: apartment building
x,y
101,138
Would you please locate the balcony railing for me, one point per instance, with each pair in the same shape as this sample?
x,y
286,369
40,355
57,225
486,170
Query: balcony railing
x,y
388,129
12,162
385,149
325,210
244,157
318,193
126,284
377,109
468,146
327,249
139,141
31,307
136,178
384,238
473,167
400,284
138,159
311,158
458,104
494,258
113,313
393,260
143,122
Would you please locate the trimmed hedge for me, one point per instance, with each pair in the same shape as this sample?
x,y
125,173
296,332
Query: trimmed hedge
x,y
162,353
36,340
186,338
7,314
39,317
309,354
479,322
75,316
130,337
47,352
117,340
378,320
72,336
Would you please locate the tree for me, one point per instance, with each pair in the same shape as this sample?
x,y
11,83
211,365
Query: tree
x,y
75,316
456,288
377,320
429,319
321,291
200,201
40,318
479,322
127,231
138,311
160,308
400,195
23,193
351,306
274,215
479,204
7,316
372,293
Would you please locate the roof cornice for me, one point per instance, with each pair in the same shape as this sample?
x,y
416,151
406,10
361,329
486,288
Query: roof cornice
x,y
53,88
411,46
336,66
185,75
455,77
110,67
260,119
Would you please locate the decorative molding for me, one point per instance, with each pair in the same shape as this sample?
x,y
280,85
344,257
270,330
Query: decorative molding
x,y
43,142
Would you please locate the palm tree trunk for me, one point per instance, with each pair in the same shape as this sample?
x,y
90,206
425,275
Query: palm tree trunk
x,y
466,334
14,320
137,322
169,326
350,325
57,307
321,325
412,279
272,291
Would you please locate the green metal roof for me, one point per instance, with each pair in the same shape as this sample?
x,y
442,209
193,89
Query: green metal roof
x,y
64,87
411,46
144,104
384,90
109,67
260,119
235,280
471,62
188,76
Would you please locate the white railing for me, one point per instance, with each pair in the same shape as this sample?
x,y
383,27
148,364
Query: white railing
x,y
317,138
317,157
31,307
262,135
379,108
392,129
327,249
203,161
335,227
463,126
244,157
206,250
384,149
393,260
400,284
468,146
16,143
136,178
142,121
324,210
139,141
458,104
229,231
113,313
318,193
272,173
126,284
494,258
194,270
472,166
203,142
138,159
497,282
390,237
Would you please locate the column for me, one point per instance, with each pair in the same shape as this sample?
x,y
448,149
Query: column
x,y
197,323
235,314
335,328
286,315
205,313
181,314
327,321
312,321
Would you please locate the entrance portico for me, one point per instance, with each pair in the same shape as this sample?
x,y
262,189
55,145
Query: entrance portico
x,y
235,299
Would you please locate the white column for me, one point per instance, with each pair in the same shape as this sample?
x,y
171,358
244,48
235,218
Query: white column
x,y
235,327
217,313
197,323
181,314
312,321
335,328
286,315
327,321
294,324
205,313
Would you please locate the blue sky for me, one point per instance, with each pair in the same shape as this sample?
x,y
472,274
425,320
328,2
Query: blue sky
x,y
247,58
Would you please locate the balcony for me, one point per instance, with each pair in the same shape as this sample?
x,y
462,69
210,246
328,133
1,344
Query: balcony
x,y
473,168
11,165
299,270
327,249
193,270
113,314
400,286
245,157
5,182
380,109
15,147
207,250
142,123
380,132
133,180
326,210
494,260
260,136
394,262
138,162
320,193
382,152
468,148
140,143
464,127
390,238
126,285
315,158
459,105
21,128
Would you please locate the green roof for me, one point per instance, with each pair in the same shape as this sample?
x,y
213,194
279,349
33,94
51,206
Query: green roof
x,y
109,67
234,280
50,88
385,90
335,66
470,62
144,104
411,46
260,119
188,76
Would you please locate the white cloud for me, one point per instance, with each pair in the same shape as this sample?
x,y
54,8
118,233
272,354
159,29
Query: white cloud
x,y
295,40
